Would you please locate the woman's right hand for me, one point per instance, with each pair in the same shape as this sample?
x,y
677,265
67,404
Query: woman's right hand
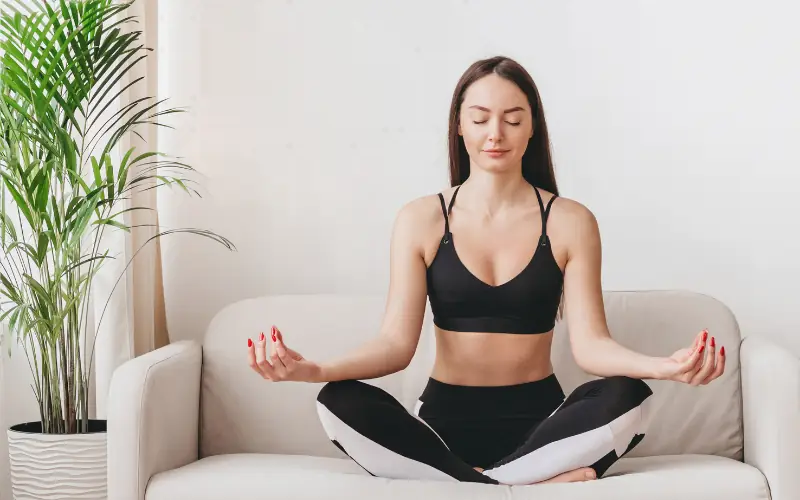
x,y
283,364
695,365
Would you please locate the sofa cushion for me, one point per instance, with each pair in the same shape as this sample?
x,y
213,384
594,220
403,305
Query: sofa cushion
x,y
296,477
703,420
241,413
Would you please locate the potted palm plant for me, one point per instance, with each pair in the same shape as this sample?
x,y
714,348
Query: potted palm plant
x,y
64,182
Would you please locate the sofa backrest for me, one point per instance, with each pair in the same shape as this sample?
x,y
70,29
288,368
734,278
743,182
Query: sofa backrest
x,y
241,412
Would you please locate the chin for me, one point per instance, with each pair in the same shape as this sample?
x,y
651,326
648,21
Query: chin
x,y
498,166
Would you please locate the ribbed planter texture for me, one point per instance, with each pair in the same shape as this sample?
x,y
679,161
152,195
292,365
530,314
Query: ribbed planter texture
x,y
57,466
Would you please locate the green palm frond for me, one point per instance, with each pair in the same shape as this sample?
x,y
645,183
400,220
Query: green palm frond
x,y
64,65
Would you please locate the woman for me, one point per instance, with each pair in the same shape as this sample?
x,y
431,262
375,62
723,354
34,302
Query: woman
x,y
496,254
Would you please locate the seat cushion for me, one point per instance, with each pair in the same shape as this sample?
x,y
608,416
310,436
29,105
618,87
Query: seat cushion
x,y
296,477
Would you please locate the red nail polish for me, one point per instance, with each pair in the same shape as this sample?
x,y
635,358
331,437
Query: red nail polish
x,y
722,351
712,342
705,335
273,337
261,338
249,342
701,348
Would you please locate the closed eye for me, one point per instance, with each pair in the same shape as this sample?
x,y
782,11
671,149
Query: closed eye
x,y
484,121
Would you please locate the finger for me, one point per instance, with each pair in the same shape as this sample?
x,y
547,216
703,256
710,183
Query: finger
x,y
708,364
261,359
693,363
251,356
699,339
720,366
283,354
275,359
277,364
280,349
294,354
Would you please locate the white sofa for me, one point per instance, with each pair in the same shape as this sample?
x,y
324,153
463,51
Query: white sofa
x,y
192,421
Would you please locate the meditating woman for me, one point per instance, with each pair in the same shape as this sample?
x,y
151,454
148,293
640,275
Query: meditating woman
x,y
499,255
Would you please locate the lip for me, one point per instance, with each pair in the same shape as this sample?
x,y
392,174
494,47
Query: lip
x,y
494,153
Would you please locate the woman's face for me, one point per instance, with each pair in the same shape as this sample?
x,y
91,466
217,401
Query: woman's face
x,y
495,115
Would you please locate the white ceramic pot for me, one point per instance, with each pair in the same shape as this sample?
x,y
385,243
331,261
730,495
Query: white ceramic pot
x,y
57,466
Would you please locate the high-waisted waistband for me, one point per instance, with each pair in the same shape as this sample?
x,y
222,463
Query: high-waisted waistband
x,y
540,397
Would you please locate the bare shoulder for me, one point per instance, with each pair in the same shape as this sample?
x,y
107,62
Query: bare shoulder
x,y
421,212
571,211
418,219
574,223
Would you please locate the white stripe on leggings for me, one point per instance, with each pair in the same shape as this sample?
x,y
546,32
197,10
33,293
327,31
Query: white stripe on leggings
x,y
416,414
375,458
574,452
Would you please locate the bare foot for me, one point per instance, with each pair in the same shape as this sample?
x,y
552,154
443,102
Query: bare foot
x,y
573,476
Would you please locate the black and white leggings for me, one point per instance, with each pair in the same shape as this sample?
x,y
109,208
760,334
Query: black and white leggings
x,y
519,434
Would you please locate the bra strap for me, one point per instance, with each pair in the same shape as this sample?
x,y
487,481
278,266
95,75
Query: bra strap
x,y
545,215
453,199
446,211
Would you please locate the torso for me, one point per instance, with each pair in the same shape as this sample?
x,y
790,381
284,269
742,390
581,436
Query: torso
x,y
494,253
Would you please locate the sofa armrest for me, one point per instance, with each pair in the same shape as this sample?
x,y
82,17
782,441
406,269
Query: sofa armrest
x,y
153,417
771,405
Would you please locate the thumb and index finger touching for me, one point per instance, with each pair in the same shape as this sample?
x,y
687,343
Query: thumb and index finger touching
x,y
258,350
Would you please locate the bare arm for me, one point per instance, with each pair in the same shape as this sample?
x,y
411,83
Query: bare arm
x,y
592,346
394,346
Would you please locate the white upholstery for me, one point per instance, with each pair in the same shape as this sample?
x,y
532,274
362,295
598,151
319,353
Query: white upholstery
x,y
181,430
296,477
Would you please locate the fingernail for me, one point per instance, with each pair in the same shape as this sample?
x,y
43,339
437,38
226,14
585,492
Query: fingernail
x,y
273,336
712,342
590,474
722,351
249,342
701,348
261,338
705,335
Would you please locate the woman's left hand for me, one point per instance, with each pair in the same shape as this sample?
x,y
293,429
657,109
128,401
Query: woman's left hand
x,y
695,365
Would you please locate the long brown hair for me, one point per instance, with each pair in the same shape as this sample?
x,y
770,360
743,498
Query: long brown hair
x,y
537,162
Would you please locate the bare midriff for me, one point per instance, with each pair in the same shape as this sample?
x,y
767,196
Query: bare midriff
x,y
491,359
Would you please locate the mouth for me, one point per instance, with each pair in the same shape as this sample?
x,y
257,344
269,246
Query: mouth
x,y
495,153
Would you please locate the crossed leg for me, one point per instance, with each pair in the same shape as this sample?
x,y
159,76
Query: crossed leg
x,y
597,424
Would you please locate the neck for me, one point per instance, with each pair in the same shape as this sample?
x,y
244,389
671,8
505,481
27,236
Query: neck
x,y
491,193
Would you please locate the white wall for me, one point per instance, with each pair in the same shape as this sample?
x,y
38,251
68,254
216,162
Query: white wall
x,y
315,121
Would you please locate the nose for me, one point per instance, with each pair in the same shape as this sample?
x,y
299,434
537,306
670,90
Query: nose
x,y
495,132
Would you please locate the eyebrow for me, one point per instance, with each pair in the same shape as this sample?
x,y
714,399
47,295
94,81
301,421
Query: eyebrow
x,y
509,110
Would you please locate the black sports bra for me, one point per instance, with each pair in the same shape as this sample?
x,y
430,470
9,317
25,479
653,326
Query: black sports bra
x,y
526,304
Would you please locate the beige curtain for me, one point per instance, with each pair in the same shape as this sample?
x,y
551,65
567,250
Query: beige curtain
x,y
134,320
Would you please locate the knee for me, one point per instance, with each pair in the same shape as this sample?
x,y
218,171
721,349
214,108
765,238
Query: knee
x,y
340,397
625,391
333,392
